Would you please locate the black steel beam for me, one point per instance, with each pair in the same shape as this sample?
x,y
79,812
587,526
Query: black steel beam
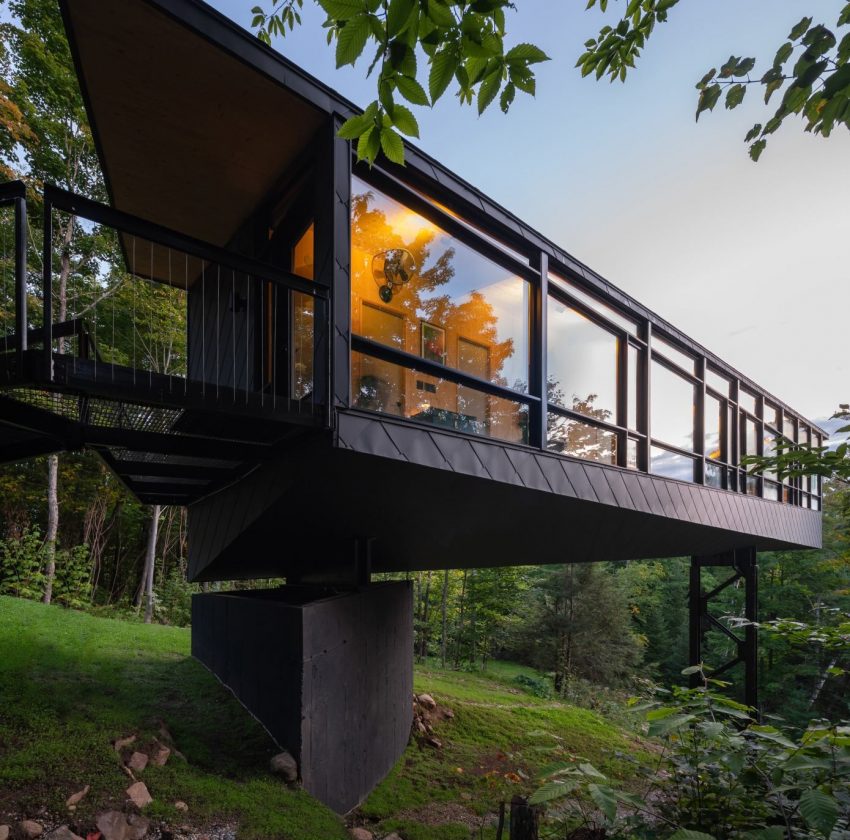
x,y
133,225
198,447
168,470
743,563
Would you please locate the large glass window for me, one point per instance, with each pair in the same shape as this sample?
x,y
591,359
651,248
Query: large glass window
x,y
714,413
447,296
671,464
632,396
595,304
665,348
405,392
672,408
303,318
582,363
418,290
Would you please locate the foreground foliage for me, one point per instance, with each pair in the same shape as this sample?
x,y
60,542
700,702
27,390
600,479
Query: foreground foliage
x,y
720,775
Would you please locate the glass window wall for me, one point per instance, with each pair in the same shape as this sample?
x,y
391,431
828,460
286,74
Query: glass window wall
x,y
582,364
443,292
672,408
430,299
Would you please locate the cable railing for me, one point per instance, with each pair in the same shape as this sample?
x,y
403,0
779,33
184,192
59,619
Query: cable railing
x,y
132,309
13,277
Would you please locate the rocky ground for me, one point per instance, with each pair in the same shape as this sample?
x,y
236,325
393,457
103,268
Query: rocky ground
x,y
136,754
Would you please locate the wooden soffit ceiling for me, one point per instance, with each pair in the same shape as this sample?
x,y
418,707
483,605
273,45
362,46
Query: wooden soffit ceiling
x,y
189,136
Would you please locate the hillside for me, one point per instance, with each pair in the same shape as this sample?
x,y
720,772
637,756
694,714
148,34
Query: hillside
x,y
71,684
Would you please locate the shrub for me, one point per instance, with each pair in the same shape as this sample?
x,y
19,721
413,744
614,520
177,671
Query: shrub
x,y
538,686
21,562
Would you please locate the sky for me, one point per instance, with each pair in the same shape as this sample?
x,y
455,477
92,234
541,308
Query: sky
x,y
751,260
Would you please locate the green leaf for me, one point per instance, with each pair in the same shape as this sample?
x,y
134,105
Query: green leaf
x,y
354,127
398,15
392,145
342,9
369,145
783,54
488,90
526,54
443,66
440,13
507,97
819,810
591,771
691,669
605,799
554,789
708,99
687,834
405,122
735,96
411,90
662,727
800,29
351,39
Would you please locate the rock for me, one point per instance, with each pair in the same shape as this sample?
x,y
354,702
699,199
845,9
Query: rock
x,y
427,701
361,834
138,761
283,764
137,826
123,742
160,754
4,832
448,714
181,806
113,825
139,794
435,742
62,833
31,828
75,798
392,836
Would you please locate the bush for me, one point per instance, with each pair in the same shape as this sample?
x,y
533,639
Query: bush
x,y
173,601
538,686
720,776
21,562
72,582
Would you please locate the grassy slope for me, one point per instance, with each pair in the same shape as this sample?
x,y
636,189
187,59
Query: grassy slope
x,y
71,683
493,748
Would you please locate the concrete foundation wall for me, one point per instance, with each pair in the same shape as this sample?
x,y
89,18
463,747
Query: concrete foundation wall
x,y
329,674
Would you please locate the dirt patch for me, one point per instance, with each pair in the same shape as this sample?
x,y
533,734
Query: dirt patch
x,y
442,813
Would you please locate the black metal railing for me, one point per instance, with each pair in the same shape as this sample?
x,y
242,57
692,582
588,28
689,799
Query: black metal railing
x,y
136,309
13,268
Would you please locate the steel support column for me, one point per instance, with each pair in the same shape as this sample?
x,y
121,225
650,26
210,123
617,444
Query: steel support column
x,y
744,567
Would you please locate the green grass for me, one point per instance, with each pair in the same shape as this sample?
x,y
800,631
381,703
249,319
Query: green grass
x,y
71,683
493,748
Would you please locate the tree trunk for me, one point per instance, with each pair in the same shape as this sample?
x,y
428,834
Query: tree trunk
x,y
460,620
52,526
150,561
525,820
443,604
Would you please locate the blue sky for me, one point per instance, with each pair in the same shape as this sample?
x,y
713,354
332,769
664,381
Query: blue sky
x,y
749,259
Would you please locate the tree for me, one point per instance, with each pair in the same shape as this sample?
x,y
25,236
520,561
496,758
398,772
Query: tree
x,y
464,43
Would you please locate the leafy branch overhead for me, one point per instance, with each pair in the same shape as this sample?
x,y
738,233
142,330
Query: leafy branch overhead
x,y
810,73
463,43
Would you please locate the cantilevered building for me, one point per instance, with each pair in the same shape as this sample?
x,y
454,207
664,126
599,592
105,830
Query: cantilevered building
x,y
369,369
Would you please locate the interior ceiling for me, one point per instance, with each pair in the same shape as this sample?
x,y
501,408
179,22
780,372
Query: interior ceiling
x,y
190,137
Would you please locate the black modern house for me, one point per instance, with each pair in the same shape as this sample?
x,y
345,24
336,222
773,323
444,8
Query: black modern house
x,y
343,370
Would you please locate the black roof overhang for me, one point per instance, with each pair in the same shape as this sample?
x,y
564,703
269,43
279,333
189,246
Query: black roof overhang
x,y
433,499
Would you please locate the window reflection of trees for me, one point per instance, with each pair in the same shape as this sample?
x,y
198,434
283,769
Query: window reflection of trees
x,y
470,319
